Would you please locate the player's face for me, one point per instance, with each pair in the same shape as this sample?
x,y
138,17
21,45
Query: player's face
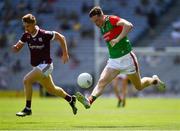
x,y
98,20
30,28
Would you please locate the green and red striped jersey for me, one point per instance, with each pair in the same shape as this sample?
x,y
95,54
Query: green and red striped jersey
x,y
110,31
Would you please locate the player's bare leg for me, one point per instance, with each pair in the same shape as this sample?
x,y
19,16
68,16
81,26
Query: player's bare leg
x,y
115,84
29,79
124,89
36,76
106,77
48,84
121,95
141,83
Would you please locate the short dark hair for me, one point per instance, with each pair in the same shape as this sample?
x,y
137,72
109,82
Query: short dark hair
x,y
29,18
95,11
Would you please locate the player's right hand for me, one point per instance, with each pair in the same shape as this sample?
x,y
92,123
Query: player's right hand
x,y
17,47
113,42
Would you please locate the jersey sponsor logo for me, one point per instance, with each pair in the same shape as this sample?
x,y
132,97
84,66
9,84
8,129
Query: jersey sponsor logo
x,y
36,46
112,33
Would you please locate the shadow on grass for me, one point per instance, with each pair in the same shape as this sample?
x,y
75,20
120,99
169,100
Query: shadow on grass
x,y
22,122
110,127
29,123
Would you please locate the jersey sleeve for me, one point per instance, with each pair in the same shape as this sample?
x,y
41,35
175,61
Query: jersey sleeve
x,y
50,35
23,38
114,19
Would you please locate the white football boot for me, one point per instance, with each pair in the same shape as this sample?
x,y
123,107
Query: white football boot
x,y
83,100
160,85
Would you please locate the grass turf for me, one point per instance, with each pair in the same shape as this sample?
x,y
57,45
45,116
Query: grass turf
x,y
56,114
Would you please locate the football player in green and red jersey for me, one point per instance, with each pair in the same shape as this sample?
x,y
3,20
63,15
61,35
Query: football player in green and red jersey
x,y
122,60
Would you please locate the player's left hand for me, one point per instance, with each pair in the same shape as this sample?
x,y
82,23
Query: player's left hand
x,y
65,58
113,42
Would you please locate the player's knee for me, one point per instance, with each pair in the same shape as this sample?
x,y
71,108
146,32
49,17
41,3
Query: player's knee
x,y
51,90
138,87
26,81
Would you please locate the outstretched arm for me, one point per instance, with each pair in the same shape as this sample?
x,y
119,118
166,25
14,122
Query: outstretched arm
x,y
17,47
62,41
127,27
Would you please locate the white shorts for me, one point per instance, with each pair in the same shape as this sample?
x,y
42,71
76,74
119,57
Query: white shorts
x,y
126,64
45,68
122,76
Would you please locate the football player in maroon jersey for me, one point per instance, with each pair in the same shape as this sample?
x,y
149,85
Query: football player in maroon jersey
x,y
38,41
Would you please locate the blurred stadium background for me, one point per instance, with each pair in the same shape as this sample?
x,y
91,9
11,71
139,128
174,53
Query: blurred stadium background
x,y
156,38
156,41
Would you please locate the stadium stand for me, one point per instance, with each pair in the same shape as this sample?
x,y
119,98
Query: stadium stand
x,y
71,19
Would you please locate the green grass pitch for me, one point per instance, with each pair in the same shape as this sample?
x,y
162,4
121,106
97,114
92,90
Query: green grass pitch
x,y
56,114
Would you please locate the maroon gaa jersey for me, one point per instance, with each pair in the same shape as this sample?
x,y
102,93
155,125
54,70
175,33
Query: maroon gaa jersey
x,y
39,46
